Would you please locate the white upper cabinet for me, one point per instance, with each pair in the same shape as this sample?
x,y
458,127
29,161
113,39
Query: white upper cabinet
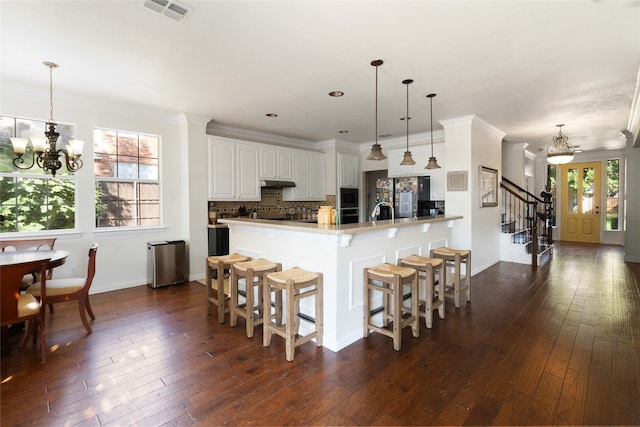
x,y
276,162
348,170
233,169
309,176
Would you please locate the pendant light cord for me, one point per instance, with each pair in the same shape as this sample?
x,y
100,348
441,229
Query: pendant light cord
x,y
51,94
431,113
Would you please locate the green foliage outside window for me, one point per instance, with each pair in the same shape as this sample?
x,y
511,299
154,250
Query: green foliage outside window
x,y
31,200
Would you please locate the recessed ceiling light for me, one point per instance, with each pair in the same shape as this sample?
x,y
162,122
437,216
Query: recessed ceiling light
x,y
343,131
336,93
271,115
384,135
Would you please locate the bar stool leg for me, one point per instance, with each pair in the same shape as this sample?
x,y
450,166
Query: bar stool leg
x,y
442,280
319,311
397,312
233,297
249,307
366,310
208,290
266,336
291,316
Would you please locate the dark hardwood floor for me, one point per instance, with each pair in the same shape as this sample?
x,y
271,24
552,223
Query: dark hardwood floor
x,y
559,344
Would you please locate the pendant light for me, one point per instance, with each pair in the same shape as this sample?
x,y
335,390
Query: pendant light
x,y
407,159
433,163
376,149
560,151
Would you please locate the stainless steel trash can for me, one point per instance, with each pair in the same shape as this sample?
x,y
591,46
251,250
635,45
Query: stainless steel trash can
x,y
166,262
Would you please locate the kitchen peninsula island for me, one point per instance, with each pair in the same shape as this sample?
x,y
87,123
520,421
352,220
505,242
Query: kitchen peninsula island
x,y
340,252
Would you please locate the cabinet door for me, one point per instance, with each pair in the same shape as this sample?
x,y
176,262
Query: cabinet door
x,y
300,177
268,162
317,171
248,187
348,170
284,164
222,169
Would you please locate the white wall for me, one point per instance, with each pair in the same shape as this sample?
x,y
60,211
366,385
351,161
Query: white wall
x,y
469,143
122,256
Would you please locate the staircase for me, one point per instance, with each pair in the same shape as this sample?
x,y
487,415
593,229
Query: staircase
x,y
526,236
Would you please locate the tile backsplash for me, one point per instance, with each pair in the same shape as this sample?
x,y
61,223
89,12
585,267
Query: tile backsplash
x,y
271,204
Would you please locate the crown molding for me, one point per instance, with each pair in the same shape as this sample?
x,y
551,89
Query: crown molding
x,y
473,121
634,114
218,129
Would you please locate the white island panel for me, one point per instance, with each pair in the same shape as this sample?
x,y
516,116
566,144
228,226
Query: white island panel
x,y
341,253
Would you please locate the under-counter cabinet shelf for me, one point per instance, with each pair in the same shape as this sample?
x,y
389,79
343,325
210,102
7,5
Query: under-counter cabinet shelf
x,y
233,169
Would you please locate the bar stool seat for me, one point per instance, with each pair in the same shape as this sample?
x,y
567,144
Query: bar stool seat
x,y
427,269
297,285
253,273
392,279
455,259
220,265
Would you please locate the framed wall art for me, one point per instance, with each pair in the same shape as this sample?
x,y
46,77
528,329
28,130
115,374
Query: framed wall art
x,y
457,181
487,187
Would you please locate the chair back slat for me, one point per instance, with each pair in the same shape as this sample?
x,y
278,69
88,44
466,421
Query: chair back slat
x,y
27,244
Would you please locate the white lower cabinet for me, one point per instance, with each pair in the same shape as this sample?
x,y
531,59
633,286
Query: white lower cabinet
x,y
233,169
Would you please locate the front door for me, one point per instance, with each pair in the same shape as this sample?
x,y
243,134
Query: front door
x,y
581,202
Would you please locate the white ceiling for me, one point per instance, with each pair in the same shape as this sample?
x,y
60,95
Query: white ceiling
x,y
523,67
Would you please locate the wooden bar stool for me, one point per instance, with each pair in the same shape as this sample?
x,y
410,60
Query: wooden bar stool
x,y
220,265
297,285
392,279
454,259
252,272
427,269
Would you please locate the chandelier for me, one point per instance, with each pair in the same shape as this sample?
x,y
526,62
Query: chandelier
x,y
433,163
45,153
560,151
376,149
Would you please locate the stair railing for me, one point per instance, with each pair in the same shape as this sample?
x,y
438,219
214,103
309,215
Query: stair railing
x,y
543,211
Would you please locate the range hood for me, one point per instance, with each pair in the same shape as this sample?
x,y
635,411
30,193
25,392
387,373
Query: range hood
x,y
272,183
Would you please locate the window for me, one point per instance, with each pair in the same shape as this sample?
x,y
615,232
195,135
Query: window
x,y
126,167
30,199
613,200
552,171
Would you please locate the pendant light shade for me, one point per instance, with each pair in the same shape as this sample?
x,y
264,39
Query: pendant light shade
x,y
376,149
560,151
407,159
433,163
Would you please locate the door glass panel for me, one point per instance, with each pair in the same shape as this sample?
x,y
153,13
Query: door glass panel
x,y
587,191
572,184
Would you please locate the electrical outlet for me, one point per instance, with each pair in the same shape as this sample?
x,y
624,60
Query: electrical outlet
x,y
74,271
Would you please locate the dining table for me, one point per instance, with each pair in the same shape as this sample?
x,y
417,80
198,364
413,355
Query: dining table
x,y
56,259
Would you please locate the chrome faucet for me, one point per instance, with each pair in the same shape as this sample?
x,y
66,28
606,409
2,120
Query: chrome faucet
x,y
375,210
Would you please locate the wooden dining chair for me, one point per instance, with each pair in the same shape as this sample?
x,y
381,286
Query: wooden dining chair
x,y
17,307
71,289
29,245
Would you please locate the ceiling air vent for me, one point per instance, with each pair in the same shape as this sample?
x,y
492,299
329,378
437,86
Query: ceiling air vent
x,y
174,10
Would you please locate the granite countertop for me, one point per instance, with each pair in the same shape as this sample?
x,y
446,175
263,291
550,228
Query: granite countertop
x,y
361,227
